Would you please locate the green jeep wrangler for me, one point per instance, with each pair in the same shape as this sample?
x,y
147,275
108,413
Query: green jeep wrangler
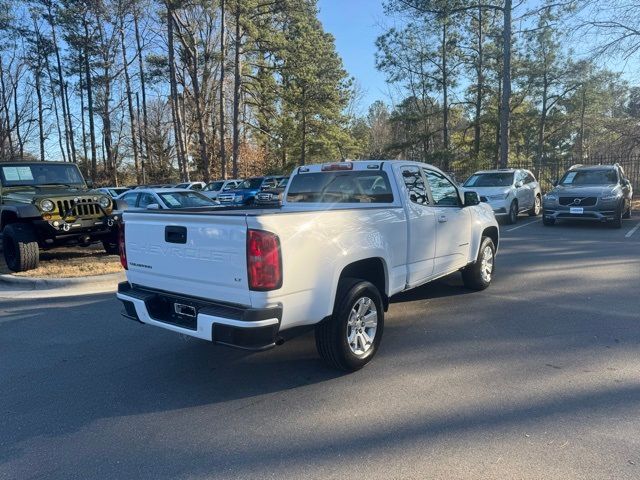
x,y
49,204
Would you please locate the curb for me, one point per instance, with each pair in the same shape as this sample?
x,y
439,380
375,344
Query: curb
x,y
39,283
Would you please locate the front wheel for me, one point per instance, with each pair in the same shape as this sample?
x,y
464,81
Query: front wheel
x,y
513,213
350,338
627,214
537,205
617,221
478,275
20,247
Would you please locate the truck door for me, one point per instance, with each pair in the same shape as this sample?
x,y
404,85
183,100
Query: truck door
x,y
453,224
421,225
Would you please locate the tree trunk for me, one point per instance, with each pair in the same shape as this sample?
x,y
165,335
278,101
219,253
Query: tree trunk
x,y
202,139
223,150
236,93
542,123
479,88
37,76
132,117
143,87
17,119
583,108
55,108
82,121
177,124
92,129
68,127
445,92
505,105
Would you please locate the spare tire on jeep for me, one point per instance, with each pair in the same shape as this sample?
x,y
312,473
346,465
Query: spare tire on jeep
x,y
20,247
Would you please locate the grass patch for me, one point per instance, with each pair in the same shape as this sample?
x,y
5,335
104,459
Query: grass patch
x,y
68,262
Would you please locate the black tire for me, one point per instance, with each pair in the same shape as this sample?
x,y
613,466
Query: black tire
x,y
537,206
20,247
627,214
331,335
111,246
617,222
472,275
512,217
546,221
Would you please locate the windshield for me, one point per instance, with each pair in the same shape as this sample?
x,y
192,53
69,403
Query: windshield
x,y
185,200
214,186
341,187
589,177
490,180
41,174
114,192
283,182
252,183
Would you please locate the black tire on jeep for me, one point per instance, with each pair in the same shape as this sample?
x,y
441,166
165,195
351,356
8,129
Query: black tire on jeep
x,y
20,247
350,338
111,246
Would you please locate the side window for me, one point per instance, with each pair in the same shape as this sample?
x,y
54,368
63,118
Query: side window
x,y
414,182
130,199
196,186
529,178
146,199
444,193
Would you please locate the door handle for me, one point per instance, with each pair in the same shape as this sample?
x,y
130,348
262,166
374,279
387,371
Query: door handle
x,y
442,218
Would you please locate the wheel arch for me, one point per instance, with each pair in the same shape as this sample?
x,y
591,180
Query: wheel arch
x,y
372,269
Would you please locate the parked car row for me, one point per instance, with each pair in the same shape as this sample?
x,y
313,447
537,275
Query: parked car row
x,y
597,193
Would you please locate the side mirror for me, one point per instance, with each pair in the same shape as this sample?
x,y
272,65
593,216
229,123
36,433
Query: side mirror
x,y
471,198
153,206
90,184
555,183
519,184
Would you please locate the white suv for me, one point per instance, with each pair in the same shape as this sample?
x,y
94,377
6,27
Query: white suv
x,y
509,191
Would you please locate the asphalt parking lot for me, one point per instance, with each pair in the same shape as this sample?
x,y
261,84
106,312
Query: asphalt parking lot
x,y
536,377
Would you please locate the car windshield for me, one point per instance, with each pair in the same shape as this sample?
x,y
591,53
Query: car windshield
x,y
114,192
341,187
252,183
185,199
589,177
494,179
283,182
214,186
41,174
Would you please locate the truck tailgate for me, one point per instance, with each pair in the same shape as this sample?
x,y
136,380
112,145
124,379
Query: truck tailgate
x,y
192,254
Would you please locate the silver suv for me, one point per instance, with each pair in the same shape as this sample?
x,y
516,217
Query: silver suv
x,y
509,191
602,193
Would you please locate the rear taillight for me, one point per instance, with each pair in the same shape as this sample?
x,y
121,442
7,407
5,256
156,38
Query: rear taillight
x,y
264,262
122,247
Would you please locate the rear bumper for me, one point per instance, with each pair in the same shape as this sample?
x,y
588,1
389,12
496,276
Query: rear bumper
x,y
247,328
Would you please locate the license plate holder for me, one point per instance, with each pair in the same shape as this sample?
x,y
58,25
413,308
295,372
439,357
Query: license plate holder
x,y
576,210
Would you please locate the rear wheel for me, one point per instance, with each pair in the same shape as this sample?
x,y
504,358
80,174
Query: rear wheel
x,y
350,338
513,213
537,205
20,247
478,275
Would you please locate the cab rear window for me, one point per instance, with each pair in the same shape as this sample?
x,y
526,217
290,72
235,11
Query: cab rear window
x,y
341,187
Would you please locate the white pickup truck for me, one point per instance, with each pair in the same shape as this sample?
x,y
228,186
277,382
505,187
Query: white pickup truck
x,y
348,236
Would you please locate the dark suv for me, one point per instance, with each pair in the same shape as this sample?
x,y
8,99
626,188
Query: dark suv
x,y
47,204
601,193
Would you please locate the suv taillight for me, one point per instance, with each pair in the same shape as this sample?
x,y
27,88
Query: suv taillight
x,y
264,262
122,248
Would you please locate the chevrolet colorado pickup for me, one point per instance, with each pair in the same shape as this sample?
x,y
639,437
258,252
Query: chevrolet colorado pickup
x,y
348,236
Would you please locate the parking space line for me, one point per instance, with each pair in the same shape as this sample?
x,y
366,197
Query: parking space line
x,y
524,225
632,231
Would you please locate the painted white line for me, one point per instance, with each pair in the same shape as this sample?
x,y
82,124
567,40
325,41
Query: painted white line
x,y
524,225
632,231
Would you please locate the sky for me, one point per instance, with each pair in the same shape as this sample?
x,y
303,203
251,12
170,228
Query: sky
x,y
355,24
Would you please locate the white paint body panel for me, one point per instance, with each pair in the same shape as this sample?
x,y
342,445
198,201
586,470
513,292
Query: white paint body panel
x,y
317,242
